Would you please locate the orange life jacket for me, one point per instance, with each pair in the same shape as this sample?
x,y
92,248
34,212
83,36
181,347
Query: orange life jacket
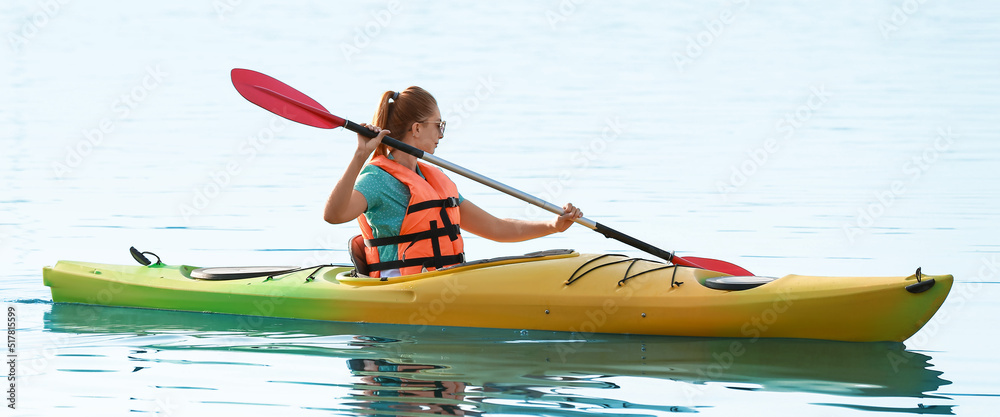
x,y
430,236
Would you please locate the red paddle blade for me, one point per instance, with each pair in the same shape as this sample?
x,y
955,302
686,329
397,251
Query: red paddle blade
x,y
713,265
281,99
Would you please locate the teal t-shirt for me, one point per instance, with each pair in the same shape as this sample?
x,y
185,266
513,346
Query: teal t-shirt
x,y
387,200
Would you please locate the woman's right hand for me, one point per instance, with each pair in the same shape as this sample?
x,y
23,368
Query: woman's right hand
x,y
365,145
346,203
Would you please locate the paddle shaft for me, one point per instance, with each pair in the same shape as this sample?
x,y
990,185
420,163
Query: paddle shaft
x,y
530,199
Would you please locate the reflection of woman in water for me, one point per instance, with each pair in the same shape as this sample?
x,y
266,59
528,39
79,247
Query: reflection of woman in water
x,y
393,393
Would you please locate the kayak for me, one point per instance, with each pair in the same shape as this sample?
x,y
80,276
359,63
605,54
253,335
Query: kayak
x,y
558,290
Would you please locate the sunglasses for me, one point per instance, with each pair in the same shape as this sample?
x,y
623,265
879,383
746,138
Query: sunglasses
x,y
440,124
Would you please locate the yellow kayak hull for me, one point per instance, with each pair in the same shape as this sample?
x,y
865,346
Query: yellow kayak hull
x,y
562,292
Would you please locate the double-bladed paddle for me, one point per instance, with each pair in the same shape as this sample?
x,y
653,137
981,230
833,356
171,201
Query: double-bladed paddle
x,y
285,101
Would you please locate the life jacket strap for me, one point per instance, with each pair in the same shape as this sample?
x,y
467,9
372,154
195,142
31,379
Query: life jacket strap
x,y
427,262
429,204
450,230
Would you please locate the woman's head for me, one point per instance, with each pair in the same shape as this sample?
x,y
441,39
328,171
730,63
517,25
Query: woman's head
x,y
405,112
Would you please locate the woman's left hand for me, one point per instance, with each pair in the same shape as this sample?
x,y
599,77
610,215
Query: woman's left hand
x,y
570,213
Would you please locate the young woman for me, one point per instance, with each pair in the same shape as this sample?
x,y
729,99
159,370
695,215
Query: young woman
x,y
410,213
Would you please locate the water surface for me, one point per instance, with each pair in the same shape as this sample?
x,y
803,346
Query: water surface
x,y
851,138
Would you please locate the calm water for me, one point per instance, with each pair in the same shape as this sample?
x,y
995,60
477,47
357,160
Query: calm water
x,y
856,138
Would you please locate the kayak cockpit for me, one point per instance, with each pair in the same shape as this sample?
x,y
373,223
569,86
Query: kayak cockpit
x,y
239,272
729,283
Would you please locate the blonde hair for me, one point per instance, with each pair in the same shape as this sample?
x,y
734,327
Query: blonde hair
x,y
406,107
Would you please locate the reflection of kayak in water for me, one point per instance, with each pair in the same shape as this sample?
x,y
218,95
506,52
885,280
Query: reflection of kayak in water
x,y
558,290
486,357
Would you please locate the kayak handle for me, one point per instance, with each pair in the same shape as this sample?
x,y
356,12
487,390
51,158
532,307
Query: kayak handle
x,y
141,258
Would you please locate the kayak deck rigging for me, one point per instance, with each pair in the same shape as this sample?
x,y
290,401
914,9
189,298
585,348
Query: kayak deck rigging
x,y
724,283
632,261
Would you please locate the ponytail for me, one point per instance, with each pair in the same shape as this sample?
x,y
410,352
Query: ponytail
x,y
398,111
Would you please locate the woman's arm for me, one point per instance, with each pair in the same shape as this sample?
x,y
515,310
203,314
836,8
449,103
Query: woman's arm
x,y
346,203
480,223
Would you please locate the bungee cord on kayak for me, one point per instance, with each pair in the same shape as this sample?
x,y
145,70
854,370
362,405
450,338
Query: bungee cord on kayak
x,y
573,278
631,262
673,276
